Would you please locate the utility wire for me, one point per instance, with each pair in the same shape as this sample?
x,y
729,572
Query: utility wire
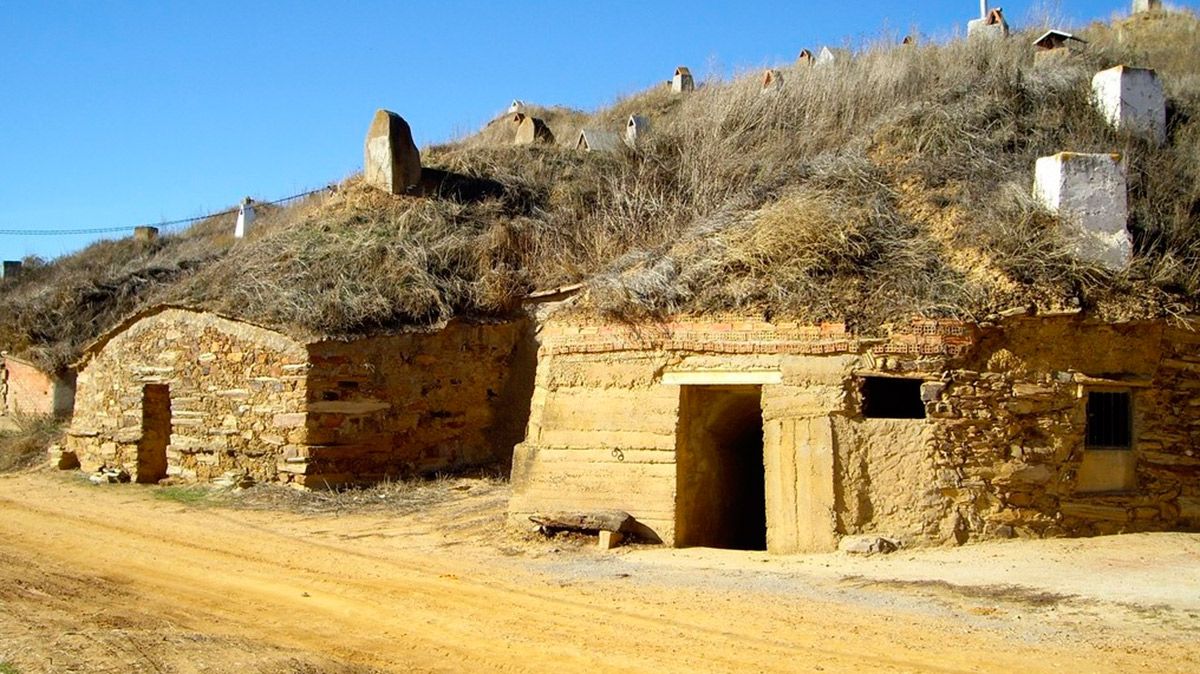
x,y
160,225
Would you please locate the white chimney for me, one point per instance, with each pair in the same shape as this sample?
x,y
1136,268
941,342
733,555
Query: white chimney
x,y
245,218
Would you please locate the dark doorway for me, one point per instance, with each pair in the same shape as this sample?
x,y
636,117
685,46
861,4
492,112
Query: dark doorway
x,y
720,492
156,433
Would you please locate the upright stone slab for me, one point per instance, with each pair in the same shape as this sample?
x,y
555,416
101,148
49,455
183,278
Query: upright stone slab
x,y
1088,192
145,234
533,130
991,25
682,81
1132,100
391,160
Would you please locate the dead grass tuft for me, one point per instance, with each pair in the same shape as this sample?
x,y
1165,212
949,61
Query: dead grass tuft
x,y
26,446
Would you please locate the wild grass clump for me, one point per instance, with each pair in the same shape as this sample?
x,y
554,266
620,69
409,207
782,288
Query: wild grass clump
x,y
26,446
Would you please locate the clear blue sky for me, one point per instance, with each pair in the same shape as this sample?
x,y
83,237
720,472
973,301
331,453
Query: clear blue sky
x,y
118,113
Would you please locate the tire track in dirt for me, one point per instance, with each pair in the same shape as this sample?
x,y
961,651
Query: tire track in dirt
x,y
405,610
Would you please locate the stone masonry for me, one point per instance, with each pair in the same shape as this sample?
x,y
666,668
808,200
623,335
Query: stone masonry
x,y
305,412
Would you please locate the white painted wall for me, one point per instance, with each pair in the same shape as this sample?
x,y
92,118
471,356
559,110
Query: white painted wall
x,y
1132,100
1088,192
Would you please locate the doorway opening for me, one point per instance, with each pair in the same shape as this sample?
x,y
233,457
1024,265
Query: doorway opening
x,y
156,433
720,497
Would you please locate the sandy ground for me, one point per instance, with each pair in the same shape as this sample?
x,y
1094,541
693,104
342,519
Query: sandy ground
x,y
110,579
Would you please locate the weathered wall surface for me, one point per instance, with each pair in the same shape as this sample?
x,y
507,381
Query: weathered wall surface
x,y
404,404
234,389
601,436
1009,436
998,454
28,390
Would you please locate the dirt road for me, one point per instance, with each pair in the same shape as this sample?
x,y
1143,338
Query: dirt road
x,y
108,579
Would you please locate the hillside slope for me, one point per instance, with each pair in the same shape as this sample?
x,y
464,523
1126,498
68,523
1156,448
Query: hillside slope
x,y
889,186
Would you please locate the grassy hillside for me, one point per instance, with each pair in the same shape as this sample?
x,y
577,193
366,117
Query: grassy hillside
x,y
892,185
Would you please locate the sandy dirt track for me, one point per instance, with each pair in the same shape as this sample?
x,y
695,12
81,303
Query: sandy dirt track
x,y
108,579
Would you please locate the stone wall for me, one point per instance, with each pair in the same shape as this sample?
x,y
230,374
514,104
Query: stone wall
x,y
28,390
413,403
997,454
1009,431
325,413
234,390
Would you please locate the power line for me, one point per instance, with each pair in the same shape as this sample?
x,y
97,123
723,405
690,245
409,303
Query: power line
x,y
160,225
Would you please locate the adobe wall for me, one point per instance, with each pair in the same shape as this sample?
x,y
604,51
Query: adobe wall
x,y
998,453
391,406
28,390
234,391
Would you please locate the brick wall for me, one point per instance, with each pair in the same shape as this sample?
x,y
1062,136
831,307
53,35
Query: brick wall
x,y
28,390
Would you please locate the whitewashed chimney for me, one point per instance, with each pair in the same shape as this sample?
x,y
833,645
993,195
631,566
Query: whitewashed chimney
x,y
1140,6
1088,192
245,218
1132,101
516,106
636,128
772,80
682,81
11,268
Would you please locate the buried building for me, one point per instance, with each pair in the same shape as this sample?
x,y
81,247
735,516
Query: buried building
x,y
748,434
194,395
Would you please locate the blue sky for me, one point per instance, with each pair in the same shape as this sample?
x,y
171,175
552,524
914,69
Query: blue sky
x,y
120,113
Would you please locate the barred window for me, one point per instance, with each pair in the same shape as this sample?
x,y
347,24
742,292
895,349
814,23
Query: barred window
x,y
1109,420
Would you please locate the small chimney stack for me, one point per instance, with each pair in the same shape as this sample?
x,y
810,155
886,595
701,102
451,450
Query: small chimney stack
x,y
245,218
145,234
11,268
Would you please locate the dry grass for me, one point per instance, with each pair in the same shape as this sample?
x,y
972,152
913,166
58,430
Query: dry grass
x,y
26,446
398,497
887,186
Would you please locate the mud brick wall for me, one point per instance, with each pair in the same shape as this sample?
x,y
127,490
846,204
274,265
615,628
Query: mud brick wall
x,y
406,404
233,387
604,426
28,390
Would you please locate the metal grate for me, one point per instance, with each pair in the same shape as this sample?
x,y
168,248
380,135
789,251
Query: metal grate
x,y
1109,422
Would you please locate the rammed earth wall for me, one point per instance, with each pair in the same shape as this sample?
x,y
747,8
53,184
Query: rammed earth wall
x,y
999,452
323,413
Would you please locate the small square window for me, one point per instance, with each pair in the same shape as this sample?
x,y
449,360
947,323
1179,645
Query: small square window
x,y
1109,420
892,398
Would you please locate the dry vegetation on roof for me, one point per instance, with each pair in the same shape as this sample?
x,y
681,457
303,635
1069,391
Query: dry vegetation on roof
x,y
875,189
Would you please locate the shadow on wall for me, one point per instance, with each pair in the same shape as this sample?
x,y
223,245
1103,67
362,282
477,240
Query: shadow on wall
x,y
513,402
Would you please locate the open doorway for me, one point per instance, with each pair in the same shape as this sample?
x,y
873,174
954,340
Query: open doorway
x,y
156,433
720,484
